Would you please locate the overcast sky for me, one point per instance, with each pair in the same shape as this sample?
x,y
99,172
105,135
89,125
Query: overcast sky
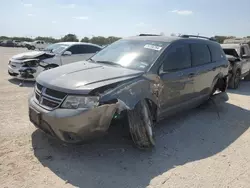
x,y
124,18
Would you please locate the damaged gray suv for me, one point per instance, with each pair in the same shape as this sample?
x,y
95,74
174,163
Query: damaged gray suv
x,y
140,79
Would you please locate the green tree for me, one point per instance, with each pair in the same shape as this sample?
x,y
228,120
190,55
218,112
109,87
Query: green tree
x,y
98,40
221,39
47,39
85,39
22,39
111,39
69,38
4,38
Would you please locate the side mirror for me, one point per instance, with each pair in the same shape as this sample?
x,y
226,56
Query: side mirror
x,y
67,53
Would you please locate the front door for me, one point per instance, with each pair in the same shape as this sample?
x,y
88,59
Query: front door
x,y
204,69
80,52
66,59
176,74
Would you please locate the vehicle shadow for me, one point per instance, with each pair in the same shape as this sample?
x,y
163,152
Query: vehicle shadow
x,y
114,162
243,89
24,84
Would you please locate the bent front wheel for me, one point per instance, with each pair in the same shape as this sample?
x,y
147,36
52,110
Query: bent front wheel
x,y
141,126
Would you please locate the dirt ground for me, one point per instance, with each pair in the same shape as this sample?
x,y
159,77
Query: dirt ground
x,y
204,147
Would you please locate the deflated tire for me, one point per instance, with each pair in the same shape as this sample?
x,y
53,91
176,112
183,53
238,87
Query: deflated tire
x,y
141,125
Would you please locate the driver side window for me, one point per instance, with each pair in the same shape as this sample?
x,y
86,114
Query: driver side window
x,y
177,58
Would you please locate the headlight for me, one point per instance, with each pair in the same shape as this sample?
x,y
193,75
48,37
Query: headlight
x,y
80,102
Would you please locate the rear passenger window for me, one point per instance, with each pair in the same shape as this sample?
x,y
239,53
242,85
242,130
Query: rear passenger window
x,y
83,49
177,58
76,49
92,49
200,54
217,53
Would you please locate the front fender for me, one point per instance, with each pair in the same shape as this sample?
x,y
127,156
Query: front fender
x,y
236,66
131,92
53,60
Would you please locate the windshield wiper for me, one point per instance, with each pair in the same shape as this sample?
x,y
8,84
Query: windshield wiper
x,y
109,62
92,60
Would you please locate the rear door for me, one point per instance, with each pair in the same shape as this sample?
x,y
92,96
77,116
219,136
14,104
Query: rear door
x,y
204,69
89,50
177,76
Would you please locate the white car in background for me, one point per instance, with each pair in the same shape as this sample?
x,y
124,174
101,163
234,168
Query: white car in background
x,y
38,44
28,65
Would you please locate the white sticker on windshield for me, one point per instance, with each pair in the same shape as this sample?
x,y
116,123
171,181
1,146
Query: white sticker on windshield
x,y
153,47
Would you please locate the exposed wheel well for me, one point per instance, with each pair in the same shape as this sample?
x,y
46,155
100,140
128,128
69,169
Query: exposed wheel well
x,y
52,65
238,70
220,84
152,108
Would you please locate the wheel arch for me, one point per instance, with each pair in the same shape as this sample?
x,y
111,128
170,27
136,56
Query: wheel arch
x,y
52,65
152,107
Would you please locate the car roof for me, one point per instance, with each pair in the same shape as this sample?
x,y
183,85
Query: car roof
x,y
170,39
73,43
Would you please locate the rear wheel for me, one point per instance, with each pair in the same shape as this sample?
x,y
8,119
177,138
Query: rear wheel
x,y
235,80
32,48
141,126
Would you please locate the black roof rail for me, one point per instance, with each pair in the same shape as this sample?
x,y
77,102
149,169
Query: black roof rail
x,y
198,36
144,34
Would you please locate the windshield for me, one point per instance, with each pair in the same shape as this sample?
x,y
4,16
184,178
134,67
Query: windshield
x,y
56,48
231,52
133,54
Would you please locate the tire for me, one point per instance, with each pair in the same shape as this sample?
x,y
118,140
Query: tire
x,y
141,126
235,80
32,48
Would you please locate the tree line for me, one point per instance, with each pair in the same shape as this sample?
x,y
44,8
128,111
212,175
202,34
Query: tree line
x,y
100,40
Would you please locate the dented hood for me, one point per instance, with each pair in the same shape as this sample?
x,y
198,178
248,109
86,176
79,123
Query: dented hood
x,y
29,55
82,77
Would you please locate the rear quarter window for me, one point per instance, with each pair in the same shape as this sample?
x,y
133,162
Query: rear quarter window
x,y
91,49
217,53
200,54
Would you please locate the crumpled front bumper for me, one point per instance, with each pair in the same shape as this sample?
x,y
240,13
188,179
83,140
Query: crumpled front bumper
x,y
73,125
15,72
